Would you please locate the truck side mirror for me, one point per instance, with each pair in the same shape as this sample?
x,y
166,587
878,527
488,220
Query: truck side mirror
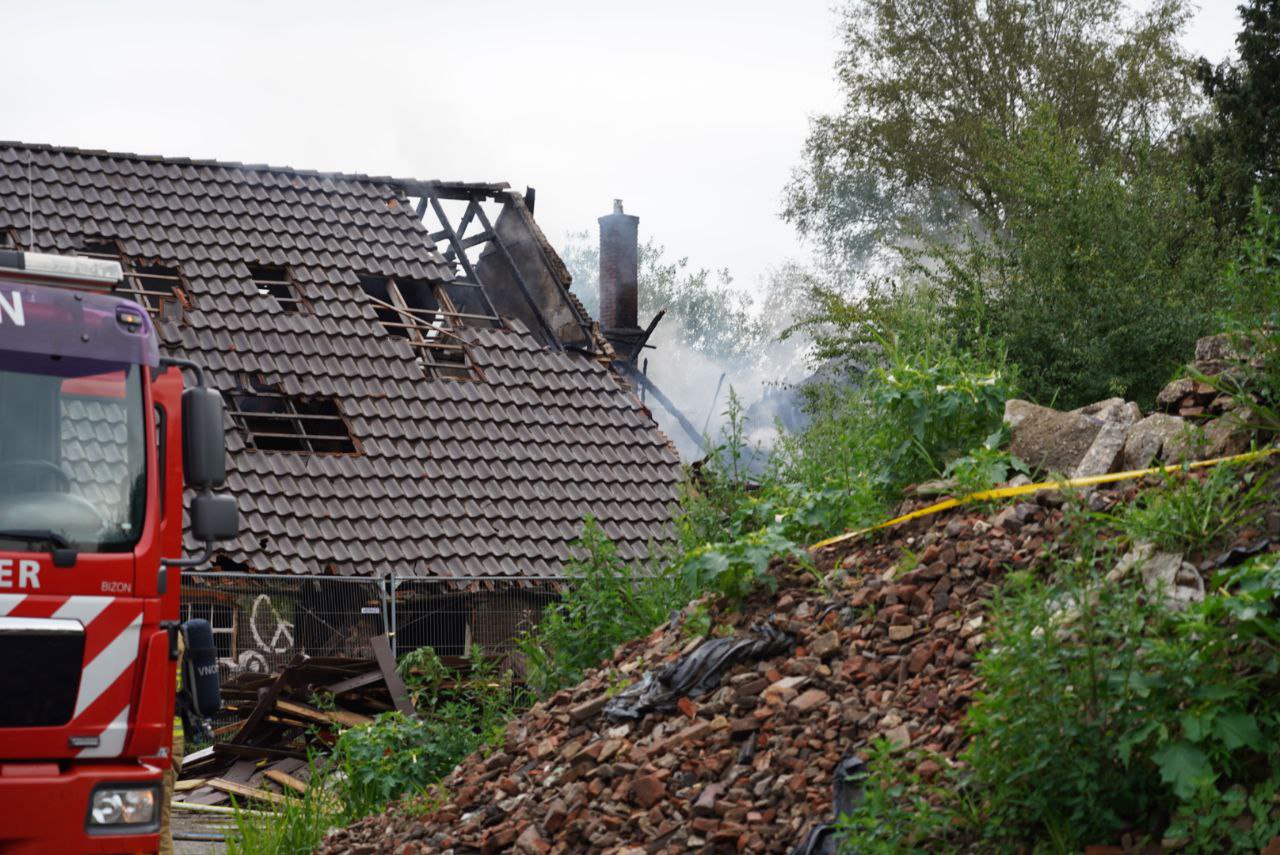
x,y
204,441
214,517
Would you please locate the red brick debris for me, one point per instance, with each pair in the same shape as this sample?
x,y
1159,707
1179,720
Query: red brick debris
x,y
883,648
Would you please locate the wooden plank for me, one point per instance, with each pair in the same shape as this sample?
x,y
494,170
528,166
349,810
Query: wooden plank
x,y
191,784
340,717
218,810
206,795
232,788
266,701
196,756
241,771
284,779
257,751
366,679
387,664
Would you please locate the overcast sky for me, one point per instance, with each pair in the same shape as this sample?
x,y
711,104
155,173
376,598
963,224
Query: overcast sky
x,y
692,111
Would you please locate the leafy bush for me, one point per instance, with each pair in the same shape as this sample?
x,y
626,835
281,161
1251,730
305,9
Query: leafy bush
x,y
910,418
1098,283
606,602
985,466
732,568
937,407
397,756
1116,715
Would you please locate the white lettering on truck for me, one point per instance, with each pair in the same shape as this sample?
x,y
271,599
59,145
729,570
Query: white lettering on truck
x,y
27,572
13,308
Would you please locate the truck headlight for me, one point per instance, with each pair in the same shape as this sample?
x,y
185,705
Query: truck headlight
x,y
115,806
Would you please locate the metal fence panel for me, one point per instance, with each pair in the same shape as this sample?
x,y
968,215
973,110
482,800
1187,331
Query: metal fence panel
x,y
260,621
457,617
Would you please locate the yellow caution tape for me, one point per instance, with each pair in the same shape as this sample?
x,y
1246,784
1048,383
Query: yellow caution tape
x,y
1025,489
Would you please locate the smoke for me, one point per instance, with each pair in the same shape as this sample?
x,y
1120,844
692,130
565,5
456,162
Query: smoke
x,y
764,382
715,336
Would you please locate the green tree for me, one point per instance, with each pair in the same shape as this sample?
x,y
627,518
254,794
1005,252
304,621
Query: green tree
x,y
932,88
1099,283
1239,145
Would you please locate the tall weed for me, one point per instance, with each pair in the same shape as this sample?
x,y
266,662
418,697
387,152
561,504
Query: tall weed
x,y
1193,511
606,602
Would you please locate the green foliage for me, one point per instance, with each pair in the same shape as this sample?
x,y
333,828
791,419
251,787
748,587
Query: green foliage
x,y
1238,147
1119,715
395,757
1190,511
1238,820
898,813
483,693
294,827
1097,283
1253,321
937,406
906,421
933,88
605,603
733,567
985,466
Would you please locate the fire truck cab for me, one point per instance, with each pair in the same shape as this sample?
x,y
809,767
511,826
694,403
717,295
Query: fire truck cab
x,y
96,434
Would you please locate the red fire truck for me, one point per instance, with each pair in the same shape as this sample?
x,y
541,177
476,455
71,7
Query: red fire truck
x,y
98,439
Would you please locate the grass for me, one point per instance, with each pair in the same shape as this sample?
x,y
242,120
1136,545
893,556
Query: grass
x,y
1191,512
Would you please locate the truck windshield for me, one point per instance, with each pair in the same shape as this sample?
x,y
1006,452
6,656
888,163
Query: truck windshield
x,y
72,452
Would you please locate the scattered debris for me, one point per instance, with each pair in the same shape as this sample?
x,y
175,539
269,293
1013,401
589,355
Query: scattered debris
x,y
282,717
1165,574
695,674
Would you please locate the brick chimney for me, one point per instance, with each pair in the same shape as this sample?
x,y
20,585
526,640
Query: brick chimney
x,y
619,270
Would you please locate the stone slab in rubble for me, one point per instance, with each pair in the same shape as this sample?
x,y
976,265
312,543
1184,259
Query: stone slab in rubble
x,y
1112,410
1048,439
1103,455
1157,438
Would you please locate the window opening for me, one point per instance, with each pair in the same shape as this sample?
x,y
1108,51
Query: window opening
x,y
425,316
279,283
274,421
222,620
160,290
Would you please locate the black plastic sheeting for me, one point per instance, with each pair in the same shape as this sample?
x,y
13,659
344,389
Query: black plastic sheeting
x,y
846,793
1239,554
696,673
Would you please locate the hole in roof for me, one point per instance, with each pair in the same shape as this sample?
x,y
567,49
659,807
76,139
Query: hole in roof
x,y
425,317
156,287
272,420
276,281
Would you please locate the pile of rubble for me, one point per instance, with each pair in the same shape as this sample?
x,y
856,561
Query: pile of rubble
x,y
277,730
1192,421
744,761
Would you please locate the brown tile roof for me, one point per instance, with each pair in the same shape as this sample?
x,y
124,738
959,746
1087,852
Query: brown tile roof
x,y
453,478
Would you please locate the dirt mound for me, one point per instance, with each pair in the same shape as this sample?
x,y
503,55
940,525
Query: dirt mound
x,y
883,647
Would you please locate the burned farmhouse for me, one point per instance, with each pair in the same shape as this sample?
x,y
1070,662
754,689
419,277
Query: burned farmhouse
x,y
420,411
